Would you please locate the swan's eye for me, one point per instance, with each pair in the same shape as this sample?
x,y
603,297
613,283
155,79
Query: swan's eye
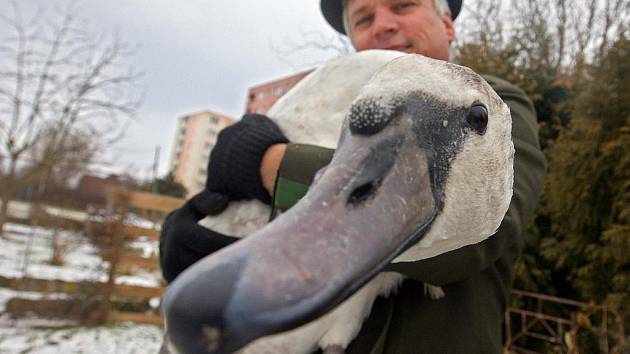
x,y
478,118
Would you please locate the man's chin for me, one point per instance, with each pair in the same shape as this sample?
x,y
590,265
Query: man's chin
x,y
434,54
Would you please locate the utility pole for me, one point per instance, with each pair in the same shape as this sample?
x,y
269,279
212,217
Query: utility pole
x,y
156,162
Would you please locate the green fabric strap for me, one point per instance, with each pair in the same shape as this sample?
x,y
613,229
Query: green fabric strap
x,y
297,169
287,193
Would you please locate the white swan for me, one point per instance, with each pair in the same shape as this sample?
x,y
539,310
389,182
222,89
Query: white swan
x,y
423,167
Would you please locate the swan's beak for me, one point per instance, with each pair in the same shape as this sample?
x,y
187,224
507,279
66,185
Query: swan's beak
x,y
374,200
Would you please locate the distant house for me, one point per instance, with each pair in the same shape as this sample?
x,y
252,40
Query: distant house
x,y
93,188
261,97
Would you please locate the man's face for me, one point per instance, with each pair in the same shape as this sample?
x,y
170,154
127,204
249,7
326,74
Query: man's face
x,y
411,26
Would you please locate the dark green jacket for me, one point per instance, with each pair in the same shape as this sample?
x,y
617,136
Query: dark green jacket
x,y
476,279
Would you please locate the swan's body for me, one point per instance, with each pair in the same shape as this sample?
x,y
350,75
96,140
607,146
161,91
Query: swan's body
x,y
442,186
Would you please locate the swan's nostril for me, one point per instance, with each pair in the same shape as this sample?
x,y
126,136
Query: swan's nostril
x,y
375,168
363,193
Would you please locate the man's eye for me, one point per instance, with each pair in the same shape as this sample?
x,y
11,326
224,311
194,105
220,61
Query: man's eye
x,y
404,5
361,21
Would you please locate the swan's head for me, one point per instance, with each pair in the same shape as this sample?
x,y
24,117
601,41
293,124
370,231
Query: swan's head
x,y
423,166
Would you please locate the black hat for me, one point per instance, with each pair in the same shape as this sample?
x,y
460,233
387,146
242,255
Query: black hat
x,y
333,12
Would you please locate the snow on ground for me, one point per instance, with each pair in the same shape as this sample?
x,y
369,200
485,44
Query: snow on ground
x,y
119,339
27,251
23,209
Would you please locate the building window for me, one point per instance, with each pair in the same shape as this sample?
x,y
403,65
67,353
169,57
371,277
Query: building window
x,y
278,91
212,133
203,172
215,120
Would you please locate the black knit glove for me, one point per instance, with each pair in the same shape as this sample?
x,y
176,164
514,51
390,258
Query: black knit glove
x,y
233,173
183,241
234,166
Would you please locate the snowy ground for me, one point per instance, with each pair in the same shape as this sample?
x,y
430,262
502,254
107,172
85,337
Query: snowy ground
x,y
26,251
23,209
119,339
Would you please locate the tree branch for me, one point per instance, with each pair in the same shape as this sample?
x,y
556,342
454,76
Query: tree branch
x,y
60,84
312,40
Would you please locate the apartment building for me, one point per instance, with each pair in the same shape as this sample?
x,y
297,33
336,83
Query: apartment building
x,y
195,137
196,133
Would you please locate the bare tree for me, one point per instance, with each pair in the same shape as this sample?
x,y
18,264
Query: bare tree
x,y
482,22
312,43
51,159
558,34
58,81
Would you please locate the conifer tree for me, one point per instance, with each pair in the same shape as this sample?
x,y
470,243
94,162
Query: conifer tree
x,y
588,186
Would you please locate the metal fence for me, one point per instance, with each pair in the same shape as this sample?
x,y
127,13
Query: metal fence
x,y
539,323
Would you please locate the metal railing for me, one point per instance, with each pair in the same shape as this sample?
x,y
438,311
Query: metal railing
x,y
541,323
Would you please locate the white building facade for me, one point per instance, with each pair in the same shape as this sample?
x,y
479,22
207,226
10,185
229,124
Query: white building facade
x,y
195,137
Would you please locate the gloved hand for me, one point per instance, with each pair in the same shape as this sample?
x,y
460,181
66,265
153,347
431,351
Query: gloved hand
x,y
183,241
234,166
233,173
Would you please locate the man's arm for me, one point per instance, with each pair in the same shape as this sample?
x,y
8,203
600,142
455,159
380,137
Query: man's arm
x,y
270,165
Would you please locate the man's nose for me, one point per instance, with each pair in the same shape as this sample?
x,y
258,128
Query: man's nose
x,y
385,25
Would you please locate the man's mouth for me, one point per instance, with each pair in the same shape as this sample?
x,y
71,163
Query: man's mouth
x,y
401,48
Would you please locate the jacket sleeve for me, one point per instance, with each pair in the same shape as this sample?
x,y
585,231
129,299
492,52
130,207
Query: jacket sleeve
x,y
529,171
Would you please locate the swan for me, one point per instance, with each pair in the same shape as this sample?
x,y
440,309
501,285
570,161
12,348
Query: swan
x,y
423,166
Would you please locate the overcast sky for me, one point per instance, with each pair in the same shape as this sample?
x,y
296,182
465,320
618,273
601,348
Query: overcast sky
x,y
196,55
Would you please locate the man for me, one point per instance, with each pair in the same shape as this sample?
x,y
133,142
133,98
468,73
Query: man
x,y
476,279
